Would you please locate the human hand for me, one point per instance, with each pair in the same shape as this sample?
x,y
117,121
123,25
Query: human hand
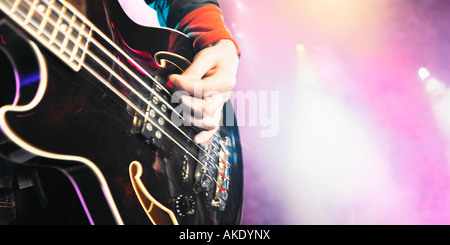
x,y
208,82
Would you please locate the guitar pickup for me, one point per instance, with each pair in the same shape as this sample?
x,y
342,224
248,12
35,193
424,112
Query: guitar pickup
x,y
152,125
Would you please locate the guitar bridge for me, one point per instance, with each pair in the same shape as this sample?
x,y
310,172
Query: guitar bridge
x,y
213,174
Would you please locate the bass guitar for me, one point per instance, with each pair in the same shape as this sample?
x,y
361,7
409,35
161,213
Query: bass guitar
x,y
89,91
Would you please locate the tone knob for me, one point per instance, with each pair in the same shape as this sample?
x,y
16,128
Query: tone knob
x,y
184,205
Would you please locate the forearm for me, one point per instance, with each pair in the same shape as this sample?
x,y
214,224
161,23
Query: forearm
x,y
206,27
201,20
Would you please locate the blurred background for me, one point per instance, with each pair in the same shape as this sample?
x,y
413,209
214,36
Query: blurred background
x,y
355,94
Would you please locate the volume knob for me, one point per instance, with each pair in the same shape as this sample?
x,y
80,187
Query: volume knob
x,y
184,205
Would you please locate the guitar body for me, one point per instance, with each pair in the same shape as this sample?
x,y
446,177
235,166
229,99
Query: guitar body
x,y
87,133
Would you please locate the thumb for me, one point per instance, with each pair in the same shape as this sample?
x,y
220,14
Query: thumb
x,y
183,82
193,75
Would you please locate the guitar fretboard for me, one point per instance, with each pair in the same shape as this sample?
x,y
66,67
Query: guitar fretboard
x,y
56,25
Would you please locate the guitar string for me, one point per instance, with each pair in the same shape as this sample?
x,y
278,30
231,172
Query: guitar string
x,y
74,12
218,169
115,60
128,71
134,106
109,69
124,66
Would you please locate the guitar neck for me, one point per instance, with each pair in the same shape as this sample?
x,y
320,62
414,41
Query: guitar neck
x,y
75,40
55,24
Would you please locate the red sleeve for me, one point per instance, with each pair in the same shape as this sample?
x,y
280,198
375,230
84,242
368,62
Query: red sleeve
x,y
206,26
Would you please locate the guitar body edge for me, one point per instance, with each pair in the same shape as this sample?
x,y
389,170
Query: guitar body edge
x,y
86,133
6,129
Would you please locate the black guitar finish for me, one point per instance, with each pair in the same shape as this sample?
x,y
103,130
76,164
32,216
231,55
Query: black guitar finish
x,y
78,116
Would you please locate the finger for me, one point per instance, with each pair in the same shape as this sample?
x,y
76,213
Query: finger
x,y
195,105
208,123
207,106
204,136
217,82
201,66
202,63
